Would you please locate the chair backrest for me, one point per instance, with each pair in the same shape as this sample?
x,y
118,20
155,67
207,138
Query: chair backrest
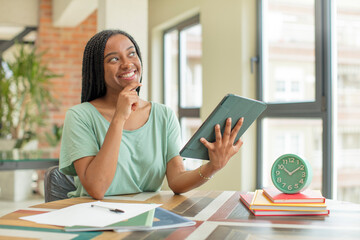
x,y
57,184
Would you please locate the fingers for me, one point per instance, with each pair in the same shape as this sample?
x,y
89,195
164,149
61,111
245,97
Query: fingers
x,y
238,144
128,100
227,131
228,135
217,133
236,129
207,144
130,90
132,86
134,106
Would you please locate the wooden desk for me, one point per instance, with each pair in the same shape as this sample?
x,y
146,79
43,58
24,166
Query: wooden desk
x,y
219,215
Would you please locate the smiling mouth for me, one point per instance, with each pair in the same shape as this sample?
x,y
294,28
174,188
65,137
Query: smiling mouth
x,y
128,75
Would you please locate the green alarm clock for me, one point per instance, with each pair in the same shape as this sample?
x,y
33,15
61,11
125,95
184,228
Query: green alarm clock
x,y
291,173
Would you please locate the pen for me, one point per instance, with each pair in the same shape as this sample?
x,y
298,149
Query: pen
x,y
116,210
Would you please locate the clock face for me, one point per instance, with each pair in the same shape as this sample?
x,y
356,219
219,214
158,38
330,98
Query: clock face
x,y
290,173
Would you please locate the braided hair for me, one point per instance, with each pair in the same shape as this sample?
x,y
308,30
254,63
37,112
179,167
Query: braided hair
x,y
93,81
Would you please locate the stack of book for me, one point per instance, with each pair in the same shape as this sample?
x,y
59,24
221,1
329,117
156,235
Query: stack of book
x,y
272,202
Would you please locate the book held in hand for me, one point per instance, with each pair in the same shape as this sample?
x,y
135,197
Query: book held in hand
x,y
306,196
231,106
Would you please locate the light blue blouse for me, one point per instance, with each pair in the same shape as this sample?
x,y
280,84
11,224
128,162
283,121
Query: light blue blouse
x,y
143,153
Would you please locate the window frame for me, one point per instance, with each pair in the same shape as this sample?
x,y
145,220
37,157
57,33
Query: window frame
x,y
182,112
321,108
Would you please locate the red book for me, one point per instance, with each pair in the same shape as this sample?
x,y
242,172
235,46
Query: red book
x,y
246,199
306,196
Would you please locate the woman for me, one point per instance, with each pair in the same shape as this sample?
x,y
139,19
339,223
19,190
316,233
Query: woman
x,y
115,142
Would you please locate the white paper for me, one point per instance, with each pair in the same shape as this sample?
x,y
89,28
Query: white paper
x,y
85,215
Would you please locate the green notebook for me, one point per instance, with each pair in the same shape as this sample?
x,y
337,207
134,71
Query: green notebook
x,y
232,106
139,222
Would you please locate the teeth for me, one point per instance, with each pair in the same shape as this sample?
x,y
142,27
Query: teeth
x,y
128,75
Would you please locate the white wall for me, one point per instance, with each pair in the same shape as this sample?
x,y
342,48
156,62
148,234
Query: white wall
x,y
132,17
162,15
229,41
19,12
70,13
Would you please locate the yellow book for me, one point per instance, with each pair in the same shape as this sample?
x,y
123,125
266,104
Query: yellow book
x,y
261,202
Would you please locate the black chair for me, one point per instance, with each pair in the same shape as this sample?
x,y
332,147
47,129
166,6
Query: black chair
x,y
57,184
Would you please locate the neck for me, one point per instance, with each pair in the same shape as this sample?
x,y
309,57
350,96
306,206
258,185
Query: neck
x,y
110,99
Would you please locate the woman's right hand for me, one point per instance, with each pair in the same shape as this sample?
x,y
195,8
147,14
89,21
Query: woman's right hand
x,y
127,101
97,172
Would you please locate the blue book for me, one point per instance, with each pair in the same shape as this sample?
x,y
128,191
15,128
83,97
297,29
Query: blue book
x,y
167,219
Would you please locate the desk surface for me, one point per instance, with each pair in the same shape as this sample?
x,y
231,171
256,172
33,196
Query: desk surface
x,y
219,215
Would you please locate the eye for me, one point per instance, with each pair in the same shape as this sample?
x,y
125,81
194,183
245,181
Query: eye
x,y
114,59
132,54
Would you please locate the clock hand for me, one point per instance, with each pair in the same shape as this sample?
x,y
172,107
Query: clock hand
x,y
287,171
292,172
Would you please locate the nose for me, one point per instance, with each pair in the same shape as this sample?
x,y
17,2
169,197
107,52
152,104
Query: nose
x,y
126,64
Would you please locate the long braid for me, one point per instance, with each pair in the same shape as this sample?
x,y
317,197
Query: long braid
x,y
93,82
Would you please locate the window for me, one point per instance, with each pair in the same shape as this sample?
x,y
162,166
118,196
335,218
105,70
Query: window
x,y
310,77
288,50
300,136
347,93
292,85
183,76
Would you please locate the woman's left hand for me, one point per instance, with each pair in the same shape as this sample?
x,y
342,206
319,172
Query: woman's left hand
x,y
223,148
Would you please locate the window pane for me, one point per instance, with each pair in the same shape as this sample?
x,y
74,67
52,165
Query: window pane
x,y
191,70
183,77
298,136
288,50
188,128
171,69
348,104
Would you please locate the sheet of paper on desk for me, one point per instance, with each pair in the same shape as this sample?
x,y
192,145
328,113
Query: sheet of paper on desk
x,y
85,215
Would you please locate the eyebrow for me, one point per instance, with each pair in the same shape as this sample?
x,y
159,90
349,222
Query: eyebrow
x,y
113,53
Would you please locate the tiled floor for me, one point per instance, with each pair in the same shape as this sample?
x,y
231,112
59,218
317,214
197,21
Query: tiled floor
x,y
9,206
